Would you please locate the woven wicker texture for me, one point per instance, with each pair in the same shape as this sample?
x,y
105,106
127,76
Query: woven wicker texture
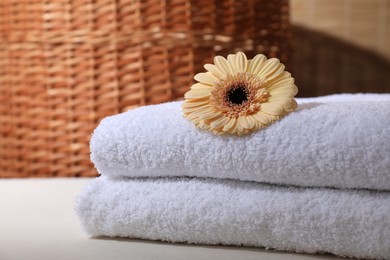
x,y
66,64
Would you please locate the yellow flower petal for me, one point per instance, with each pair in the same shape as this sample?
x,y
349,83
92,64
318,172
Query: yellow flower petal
x,y
219,122
190,110
288,91
196,121
255,63
276,73
194,104
250,121
215,70
291,107
239,125
284,102
201,99
259,125
294,105
280,100
222,64
283,77
195,95
203,125
276,78
198,109
198,93
241,62
229,124
192,116
206,78
245,122
271,108
231,58
243,132
198,86
268,67
264,119
281,82
209,114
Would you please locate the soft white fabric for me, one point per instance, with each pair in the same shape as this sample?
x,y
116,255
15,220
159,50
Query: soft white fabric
x,y
353,223
336,141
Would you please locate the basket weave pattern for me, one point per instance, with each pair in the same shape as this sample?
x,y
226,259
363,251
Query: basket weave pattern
x,y
66,64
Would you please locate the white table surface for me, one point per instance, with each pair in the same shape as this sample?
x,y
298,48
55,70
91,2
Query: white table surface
x,y
37,221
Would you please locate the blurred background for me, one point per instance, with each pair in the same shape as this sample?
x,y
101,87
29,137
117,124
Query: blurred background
x,y
66,64
340,46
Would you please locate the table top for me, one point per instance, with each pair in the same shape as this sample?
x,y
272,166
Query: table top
x,y
37,221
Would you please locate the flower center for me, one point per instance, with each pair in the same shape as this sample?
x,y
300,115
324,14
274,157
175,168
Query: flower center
x,y
237,95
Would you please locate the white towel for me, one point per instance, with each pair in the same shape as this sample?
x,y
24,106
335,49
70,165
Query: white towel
x,y
354,223
336,141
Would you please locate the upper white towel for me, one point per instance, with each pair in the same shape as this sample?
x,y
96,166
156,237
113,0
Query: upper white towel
x,y
353,223
336,141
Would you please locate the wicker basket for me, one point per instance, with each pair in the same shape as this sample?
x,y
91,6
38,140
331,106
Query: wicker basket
x,y
66,64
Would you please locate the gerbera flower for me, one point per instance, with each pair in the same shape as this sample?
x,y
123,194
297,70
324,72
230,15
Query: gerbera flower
x,y
238,96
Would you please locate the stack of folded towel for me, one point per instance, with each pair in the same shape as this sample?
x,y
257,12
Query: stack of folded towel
x,y
316,181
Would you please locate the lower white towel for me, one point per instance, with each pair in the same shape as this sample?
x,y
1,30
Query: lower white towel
x,y
354,223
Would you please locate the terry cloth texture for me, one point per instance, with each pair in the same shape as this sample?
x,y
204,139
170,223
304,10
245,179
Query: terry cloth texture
x,y
338,141
353,223
332,155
